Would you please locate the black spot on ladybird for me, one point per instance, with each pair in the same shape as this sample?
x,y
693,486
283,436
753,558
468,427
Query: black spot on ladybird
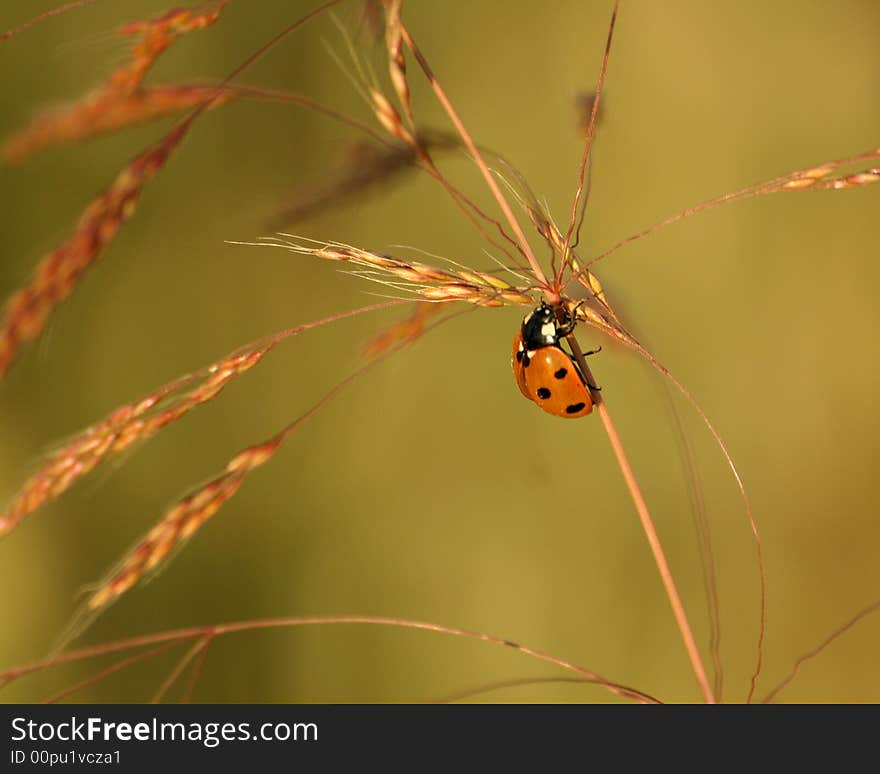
x,y
526,360
544,393
561,373
519,356
575,407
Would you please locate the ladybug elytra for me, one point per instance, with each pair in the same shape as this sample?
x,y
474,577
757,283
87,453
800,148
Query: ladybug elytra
x,y
545,373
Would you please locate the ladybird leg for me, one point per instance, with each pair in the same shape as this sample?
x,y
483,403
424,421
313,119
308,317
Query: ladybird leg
x,y
580,373
593,352
566,327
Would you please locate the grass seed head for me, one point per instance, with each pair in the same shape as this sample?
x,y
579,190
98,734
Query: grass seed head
x,y
120,430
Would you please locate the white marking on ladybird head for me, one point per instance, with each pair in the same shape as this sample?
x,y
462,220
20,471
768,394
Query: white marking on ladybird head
x,y
548,330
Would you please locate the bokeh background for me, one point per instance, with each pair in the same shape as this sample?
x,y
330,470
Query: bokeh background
x,y
430,489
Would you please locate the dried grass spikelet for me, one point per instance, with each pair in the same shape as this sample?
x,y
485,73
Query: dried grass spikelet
x,y
180,522
457,284
143,418
390,118
57,274
396,59
127,425
122,100
817,178
106,113
405,331
593,308
155,35
184,518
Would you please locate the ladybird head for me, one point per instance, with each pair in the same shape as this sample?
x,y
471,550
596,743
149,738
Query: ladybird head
x,y
540,328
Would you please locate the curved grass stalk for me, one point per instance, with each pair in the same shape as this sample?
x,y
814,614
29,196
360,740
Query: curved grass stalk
x,y
552,294
728,458
153,552
815,178
197,649
575,220
811,654
648,527
117,666
529,681
4,36
204,633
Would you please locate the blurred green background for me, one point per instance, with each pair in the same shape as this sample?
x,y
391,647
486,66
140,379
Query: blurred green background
x,y
430,489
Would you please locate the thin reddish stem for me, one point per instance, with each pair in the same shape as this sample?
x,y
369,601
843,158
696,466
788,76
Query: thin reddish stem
x,y
4,36
628,341
112,669
863,613
196,672
529,681
525,247
207,633
648,527
588,144
194,651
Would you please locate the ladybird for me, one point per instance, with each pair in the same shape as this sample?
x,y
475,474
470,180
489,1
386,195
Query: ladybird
x,y
545,373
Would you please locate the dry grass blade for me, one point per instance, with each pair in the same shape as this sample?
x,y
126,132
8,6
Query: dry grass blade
x,y
4,36
202,633
143,418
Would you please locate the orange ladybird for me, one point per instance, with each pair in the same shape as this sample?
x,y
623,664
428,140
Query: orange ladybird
x,y
545,373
